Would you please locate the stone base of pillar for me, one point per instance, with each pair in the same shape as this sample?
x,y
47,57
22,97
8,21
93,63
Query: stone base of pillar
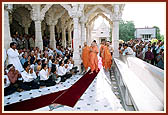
x,y
53,45
39,44
78,64
77,60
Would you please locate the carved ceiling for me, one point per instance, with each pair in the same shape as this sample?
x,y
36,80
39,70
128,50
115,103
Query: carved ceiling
x,y
27,6
63,11
22,15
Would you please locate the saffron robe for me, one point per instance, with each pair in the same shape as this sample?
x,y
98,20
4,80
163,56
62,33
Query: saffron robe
x,y
85,57
107,58
93,58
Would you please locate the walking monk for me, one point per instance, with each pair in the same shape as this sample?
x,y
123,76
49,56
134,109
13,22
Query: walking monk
x,y
102,51
93,57
85,56
107,58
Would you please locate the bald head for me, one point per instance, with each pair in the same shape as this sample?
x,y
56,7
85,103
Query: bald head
x,y
85,43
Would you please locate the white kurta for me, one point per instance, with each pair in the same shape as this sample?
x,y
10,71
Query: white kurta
x,y
13,58
61,70
43,74
28,77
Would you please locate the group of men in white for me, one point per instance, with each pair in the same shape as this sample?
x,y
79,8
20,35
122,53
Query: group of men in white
x,y
48,70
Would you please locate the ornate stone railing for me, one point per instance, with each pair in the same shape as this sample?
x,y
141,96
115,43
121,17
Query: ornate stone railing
x,y
141,84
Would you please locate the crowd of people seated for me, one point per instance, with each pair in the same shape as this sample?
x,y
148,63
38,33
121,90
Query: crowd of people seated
x,y
27,69
152,53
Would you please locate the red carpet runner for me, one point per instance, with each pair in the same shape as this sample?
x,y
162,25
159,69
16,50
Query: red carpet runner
x,y
67,97
72,95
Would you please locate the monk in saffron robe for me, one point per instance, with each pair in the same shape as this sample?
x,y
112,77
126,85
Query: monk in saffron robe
x,y
93,57
102,51
85,56
107,58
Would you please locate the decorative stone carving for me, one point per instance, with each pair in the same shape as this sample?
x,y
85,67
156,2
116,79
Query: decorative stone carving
x,y
94,9
100,14
45,9
86,14
117,11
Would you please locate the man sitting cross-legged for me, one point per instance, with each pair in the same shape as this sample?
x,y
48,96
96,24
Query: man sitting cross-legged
x,y
8,88
62,71
54,71
29,76
14,76
45,79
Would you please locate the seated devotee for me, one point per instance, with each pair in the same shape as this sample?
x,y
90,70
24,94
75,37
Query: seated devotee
x,y
59,52
50,51
54,66
45,79
70,69
24,58
14,76
37,66
29,76
50,63
54,71
8,88
45,56
33,58
62,71
13,57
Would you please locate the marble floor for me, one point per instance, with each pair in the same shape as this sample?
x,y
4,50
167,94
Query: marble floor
x,y
101,95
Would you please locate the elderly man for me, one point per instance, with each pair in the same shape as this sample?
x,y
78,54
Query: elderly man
x,y
13,76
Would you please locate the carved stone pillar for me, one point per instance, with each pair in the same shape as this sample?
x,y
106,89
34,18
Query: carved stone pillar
x,y
7,36
115,30
52,36
38,36
64,37
83,34
115,38
76,55
69,36
26,23
87,39
37,18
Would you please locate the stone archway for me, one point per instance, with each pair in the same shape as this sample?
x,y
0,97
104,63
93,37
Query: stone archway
x,y
79,15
